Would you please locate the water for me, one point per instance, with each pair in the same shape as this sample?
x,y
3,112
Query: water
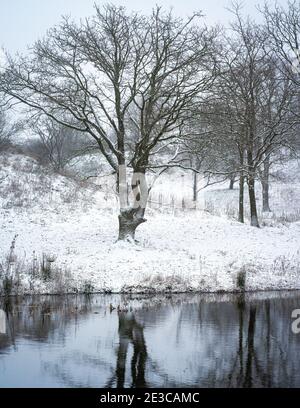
x,y
175,341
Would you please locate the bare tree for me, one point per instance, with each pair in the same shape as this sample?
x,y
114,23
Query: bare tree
x,y
116,68
275,122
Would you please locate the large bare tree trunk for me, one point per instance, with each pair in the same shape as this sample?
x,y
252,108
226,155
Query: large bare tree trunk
x,y
132,216
129,220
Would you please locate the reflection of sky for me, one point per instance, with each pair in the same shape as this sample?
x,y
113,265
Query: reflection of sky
x,y
196,347
23,21
84,358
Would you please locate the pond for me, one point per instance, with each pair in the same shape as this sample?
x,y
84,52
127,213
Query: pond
x,y
203,340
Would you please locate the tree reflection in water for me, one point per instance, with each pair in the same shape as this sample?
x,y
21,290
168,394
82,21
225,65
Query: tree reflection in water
x,y
131,332
201,341
260,354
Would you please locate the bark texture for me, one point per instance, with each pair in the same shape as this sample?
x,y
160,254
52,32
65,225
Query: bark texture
x,y
129,220
252,200
241,198
232,181
265,175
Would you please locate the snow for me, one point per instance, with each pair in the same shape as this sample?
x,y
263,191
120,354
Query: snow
x,y
177,250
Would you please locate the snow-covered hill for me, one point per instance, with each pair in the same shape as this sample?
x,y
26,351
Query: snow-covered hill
x,y
72,227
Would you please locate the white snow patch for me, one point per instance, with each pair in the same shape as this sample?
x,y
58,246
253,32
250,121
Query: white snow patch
x,y
178,251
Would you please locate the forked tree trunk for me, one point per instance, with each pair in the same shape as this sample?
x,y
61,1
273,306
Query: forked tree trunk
x,y
129,220
252,199
131,333
131,217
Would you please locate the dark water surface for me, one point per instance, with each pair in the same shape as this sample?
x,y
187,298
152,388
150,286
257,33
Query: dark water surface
x,y
175,341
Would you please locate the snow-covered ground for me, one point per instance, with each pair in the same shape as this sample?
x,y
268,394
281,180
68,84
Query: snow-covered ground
x,y
75,226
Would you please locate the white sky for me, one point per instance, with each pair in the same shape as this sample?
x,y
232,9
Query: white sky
x,y
24,21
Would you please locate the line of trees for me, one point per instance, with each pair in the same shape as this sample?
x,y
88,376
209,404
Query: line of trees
x,y
156,92
251,111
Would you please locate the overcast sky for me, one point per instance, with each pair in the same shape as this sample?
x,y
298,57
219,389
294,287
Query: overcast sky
x,y
23,21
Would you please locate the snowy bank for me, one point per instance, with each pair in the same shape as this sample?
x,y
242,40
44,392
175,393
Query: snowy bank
x,y
179,251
